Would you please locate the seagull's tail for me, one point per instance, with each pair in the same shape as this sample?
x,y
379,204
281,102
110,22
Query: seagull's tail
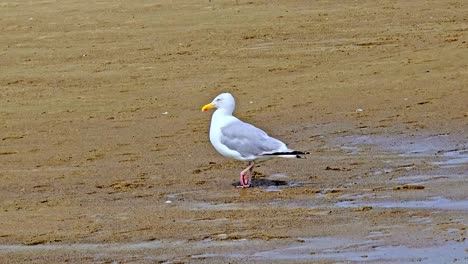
x,y
289,154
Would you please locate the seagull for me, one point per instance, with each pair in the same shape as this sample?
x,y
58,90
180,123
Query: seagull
x,y
242,141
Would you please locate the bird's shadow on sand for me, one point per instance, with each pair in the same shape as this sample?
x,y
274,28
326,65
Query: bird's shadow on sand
x,y
264,183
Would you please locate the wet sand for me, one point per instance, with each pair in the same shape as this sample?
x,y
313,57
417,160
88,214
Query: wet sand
x,y
104,152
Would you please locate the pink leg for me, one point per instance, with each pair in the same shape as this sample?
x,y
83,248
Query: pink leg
x,y
244,178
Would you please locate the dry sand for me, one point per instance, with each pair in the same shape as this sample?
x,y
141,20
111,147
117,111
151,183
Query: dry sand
x,y
105,157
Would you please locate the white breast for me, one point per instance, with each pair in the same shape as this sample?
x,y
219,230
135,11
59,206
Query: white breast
x,y
218,120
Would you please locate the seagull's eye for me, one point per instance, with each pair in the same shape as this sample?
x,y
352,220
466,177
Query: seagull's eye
x,y
219,99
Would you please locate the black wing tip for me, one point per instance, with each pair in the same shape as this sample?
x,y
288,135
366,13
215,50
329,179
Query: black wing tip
x,y
300,152
295,152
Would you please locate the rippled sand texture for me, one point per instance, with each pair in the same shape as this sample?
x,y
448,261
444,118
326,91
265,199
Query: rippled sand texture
x,y
104,152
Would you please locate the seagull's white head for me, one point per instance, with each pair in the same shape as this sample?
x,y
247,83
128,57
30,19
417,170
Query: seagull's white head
x,y
224,101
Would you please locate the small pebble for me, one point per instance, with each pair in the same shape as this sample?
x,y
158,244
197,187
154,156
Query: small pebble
x,y
222,236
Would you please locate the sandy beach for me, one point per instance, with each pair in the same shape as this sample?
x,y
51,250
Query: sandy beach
x,y
105,155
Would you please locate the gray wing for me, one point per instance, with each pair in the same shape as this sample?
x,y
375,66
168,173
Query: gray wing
x,y
248,140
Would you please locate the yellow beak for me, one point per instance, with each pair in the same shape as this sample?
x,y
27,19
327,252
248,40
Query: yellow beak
x,y
207,107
